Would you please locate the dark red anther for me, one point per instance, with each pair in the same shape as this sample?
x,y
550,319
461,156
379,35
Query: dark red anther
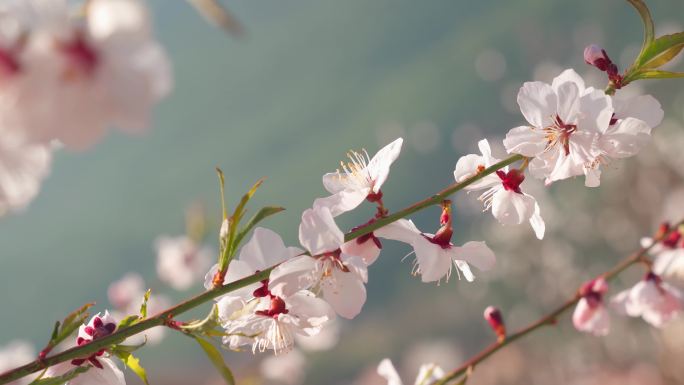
x,y
95,362
511,181
97,323
89,331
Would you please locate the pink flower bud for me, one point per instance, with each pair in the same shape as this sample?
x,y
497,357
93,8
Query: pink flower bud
x,y
495,319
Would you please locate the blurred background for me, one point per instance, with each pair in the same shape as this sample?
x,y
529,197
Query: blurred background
x,y
310,80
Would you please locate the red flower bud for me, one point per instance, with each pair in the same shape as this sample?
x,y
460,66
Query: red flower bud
x,y
495,319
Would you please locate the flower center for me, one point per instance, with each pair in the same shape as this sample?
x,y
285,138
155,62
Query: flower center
x,y
81,57
559,134
511,180
354,171
277,308
442,237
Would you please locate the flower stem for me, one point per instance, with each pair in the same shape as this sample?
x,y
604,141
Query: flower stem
x,y
165,316
551,317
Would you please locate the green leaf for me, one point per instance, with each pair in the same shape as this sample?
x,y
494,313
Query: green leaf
x,y
217,359
262,214
128,321
143,307
68,376
645,14
222,187
67,327
132,362
218,15
665,57
664,45
654,74
202,326
130,348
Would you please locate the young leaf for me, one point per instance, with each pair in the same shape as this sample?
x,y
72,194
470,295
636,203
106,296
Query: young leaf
x,y
68,376
665,57
645,14
132,362
128,321
67,327
262,214
654,74
222,187
661,46
143,307
217,359
218,15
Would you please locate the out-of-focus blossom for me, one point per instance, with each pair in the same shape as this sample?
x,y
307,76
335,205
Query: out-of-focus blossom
x,y
23,166
275,321
655,301
591,315
105,70
289,368
126,292
340,277
181,261
509,204
669,256
359,179
565,120
427,375
14,354
435,254
326,339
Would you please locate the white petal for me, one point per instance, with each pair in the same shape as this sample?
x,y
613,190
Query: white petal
x,y
537,222
342,201
314,311
356,265
537,103
379,166
568,102
467,166
476,253
389,373
318,232
402,230
642,107
293,275
568,76
626,138
265,249
526,141
110,374
433,262
596,112
511,208
345,292
367,250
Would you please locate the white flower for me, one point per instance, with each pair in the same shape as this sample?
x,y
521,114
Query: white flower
x,y
361,178
427,375
105,70
23,166
565,120
628,132
657,302
105,374
435,254
181,261
326,339
509,204
285,368
126,292
669,256
339,276
99,326
265,249
14,354
591,315
275,321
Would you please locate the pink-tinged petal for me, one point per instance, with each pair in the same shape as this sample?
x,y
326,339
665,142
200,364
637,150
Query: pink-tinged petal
x,y
464,270
583,313
596,112
389,373
467,166
525,141
379,167
537,222
318,232
356,265
486,150
537,101
345,292
402,230
669,264
433,262
265,249
110,374
663,308
511,208
620,301
335,182
227,306
342,201
236,271
568,76
643,107
626,138
568,102
293,275
367,250
476,253
313,311
594,320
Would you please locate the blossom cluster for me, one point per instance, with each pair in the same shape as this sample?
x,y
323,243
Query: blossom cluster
x,y
68,73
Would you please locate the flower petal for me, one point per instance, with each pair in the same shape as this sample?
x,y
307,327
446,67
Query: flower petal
x,y
345,292
318,232
476,253
525,141
379,167
537,101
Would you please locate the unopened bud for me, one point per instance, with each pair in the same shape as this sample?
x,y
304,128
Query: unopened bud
x,y
597,57
495,319
223,233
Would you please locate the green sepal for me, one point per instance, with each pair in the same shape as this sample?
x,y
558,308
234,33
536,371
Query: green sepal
x,y
216,358
131,362
207,326
60,380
